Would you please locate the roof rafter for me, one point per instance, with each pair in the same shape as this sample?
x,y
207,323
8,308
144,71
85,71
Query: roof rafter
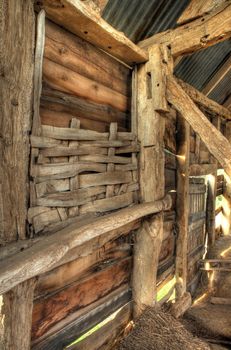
x,y
197,9
196,35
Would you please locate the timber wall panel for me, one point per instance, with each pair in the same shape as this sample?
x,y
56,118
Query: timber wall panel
x,y
102,94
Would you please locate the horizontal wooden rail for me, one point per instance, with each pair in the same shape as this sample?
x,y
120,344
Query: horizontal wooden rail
x,y
48,253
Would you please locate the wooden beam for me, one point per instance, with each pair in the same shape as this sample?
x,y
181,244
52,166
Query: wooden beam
x,y
97,5
199,34
197,9
17,309
182,205
151,99
216,143
17,25
202,169
201,100
83,21
218,76
44,255
211,196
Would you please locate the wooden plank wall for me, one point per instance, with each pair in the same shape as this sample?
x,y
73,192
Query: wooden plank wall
x,y
71,299
82,81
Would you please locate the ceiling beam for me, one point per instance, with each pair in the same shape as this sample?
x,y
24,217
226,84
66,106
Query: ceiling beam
x,y
218,76
201,100
197,35
85,22
197,9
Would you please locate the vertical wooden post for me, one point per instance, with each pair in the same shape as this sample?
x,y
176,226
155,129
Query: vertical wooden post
x,y
151,101
182,204
227,192
17,62
211,197
17,309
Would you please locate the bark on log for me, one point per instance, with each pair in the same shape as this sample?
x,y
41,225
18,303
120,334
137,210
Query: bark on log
x,y
181,306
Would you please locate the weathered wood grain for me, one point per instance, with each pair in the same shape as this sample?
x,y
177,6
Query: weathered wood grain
x,y
109,335
78,323
108,204
80,56
71,198
64,79
86,23
48,312
17,311
74,270
216,143
45,254
17,66
198,8
205,102
58,101
81,135
197,35
182,207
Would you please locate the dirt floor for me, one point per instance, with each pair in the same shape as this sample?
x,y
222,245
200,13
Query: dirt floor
x,y
204,325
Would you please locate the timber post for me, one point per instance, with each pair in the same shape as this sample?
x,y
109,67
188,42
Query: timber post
x,y
182,205
151,102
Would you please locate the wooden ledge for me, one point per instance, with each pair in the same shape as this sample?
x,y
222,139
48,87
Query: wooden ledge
x,y
83,21
84,237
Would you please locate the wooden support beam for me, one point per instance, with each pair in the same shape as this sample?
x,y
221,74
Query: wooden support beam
x,y
202,169
227,191
201,100
83,21
151,100
17,311
197,35
211,196
97,5
17,26
218,76
84,236
216,143
182,205
198,8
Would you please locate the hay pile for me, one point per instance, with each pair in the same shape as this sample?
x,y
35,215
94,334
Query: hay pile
x,y
158,330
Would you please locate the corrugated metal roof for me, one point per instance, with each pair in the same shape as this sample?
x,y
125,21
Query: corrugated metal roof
x,y
140,19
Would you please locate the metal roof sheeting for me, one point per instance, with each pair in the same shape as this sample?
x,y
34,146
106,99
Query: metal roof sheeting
x,y
140,19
